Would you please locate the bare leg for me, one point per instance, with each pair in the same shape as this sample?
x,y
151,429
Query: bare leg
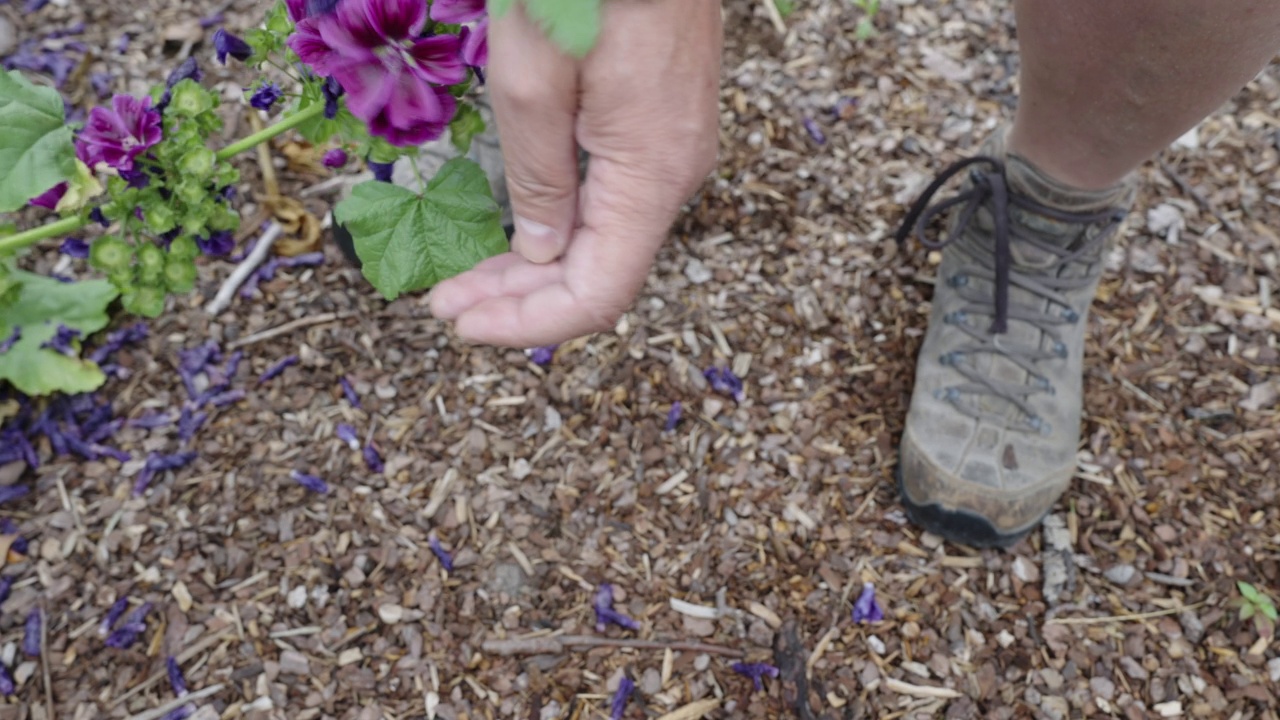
x,y
1107,84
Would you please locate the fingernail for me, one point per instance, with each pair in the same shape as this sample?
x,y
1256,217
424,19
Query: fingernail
x,y
537,242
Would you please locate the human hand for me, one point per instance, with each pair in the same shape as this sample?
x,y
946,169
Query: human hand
x,y
644,105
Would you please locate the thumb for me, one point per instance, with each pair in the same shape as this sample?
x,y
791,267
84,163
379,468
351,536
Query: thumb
x,y
535,101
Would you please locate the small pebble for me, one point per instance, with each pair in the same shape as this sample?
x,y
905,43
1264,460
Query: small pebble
x,y
294,663
702,662
1121,574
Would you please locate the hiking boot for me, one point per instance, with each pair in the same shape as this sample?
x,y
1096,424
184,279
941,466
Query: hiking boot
x,y
991,437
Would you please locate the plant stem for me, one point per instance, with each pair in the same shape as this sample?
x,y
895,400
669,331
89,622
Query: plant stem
x,y
68,225
271,131
65,226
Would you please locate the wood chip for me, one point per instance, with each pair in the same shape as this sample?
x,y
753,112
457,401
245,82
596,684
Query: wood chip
x,y
693,711
921,691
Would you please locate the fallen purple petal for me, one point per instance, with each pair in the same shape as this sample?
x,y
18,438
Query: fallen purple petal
x,y
350,392
31,634
227,398
310,482
276,370
7,685
756,671
606,615
266,96
347,434
180,713
151,421
373,460
620,698
866,609
113,615
176,680
135,623
13,492
542,356
673,416
725,382
446,560
61,341
6,586
75,247
190,422
815,131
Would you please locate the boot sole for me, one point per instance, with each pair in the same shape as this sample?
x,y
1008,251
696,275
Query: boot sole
x,y
958,526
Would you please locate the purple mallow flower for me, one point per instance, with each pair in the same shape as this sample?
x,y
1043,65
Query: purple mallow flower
x,y
673,416
61,341
335,158
176,680
866,609
725,382
8,343
134,624
620,698
75,247
189,69
347,389
12,492
542,356
347,434
278,369
117,136
756,671
224,44
446,560
396,79
31,634
606,615
266,96
113,615
310,482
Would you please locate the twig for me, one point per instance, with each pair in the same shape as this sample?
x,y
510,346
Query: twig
x,y
1200,199
553,644
789,653
223,299
771,7
190,697
285,329
182,657
1123,618
44,660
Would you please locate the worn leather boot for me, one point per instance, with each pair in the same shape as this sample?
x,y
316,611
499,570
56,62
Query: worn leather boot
x,y
991,437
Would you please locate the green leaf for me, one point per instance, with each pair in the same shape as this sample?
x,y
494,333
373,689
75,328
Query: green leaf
x,y
41,305
467,124
409,242
785,7
36,148
498,8
1269,609
1249,592
574,25
1247,611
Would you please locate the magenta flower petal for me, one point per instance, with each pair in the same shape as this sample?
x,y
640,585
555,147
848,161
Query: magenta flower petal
x,y
393,19
359,19
457,11
439,59
117,136
312,48
475,44
50,198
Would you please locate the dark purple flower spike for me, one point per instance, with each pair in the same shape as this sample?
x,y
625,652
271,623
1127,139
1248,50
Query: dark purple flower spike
x,y
866,609
606,615
756,671
310,482
446,560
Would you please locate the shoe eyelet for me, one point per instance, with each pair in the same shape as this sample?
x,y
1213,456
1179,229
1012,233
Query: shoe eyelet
x,y
956,318
1061,350
1040,425
958,281
1071,316
951,359
1119,216
948,394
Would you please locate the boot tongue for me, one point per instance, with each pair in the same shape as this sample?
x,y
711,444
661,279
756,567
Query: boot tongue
x,y
1029,182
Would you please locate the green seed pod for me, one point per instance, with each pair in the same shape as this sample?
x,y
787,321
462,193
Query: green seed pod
x,y
111,253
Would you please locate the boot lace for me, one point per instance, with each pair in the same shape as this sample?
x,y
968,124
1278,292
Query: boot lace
x,y
989,188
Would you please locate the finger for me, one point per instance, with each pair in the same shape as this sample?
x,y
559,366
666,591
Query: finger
x,y
501,276
535,100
